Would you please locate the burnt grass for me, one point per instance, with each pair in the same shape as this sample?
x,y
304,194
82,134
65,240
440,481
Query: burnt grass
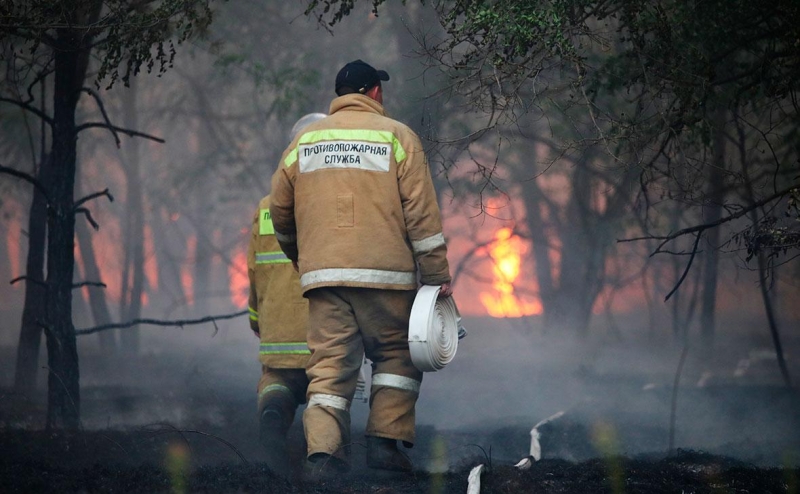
x,y
185,423
157,459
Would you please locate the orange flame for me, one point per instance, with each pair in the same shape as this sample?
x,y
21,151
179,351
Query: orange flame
x,y
239,284
187,279
506,253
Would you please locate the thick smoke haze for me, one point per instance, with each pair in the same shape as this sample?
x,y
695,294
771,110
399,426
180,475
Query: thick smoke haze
x,y
225,112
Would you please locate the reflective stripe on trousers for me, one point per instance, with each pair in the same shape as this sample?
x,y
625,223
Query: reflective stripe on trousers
x,y
397,382
333,401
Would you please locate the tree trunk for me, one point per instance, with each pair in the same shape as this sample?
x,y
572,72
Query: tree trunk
x,y
135,233
771,320
97,297
33,313
532,197
63,395
715,195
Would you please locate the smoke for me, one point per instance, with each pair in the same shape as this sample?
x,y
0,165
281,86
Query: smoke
x,y
615,391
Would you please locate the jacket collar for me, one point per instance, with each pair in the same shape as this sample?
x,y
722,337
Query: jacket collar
x,y
356,102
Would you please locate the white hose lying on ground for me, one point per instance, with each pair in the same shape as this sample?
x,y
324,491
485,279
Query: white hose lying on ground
x,y
474,480
536,448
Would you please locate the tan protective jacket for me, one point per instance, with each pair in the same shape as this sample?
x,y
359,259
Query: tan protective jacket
x,y
278,310
353,193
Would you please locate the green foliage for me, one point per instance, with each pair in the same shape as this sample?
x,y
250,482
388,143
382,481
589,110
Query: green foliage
x,y
509,31
147,36
126,36
703,55
336,10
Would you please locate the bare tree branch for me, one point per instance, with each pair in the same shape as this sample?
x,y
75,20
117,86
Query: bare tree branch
x,y
91,92
132,133
158,322
39,113
26,177
89,218
29,279
94,196
706,226
688,265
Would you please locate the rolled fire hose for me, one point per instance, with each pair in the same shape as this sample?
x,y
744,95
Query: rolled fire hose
x,y
433,329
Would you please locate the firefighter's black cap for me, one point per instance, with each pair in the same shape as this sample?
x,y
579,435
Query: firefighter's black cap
x,y
360,76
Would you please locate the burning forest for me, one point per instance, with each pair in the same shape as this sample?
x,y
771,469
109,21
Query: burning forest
x,y
619,193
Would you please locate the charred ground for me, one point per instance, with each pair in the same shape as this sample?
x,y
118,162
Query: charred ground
x,y
180,418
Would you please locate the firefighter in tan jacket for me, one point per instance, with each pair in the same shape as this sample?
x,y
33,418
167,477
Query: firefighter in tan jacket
x,y
279,317
353,205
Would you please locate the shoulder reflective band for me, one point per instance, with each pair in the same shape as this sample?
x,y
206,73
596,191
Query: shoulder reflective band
x,y
253,314
396,381
277,257
427,244
325,400
364,135
433,329
265,223
292,348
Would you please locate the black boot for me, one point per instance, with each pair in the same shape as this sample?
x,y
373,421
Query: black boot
x,y
382,454
322,467
274,423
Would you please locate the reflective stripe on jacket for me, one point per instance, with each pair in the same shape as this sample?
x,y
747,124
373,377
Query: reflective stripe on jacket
x,y
355,192
278,310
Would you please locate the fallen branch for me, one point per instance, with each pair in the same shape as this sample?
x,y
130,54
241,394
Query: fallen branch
x,y
171,428
158,322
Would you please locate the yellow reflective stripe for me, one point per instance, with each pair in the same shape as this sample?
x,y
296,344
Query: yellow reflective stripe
x,y
253,314
315,136
277,257
265,223
290,158
293,348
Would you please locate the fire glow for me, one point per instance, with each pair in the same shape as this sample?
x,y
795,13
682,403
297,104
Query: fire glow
x,y
506,252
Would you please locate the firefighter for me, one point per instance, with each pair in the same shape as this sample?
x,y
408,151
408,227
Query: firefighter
x,y
353,205
279,317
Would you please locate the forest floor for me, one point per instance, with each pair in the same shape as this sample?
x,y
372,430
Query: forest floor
x,y
185,422
162,459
